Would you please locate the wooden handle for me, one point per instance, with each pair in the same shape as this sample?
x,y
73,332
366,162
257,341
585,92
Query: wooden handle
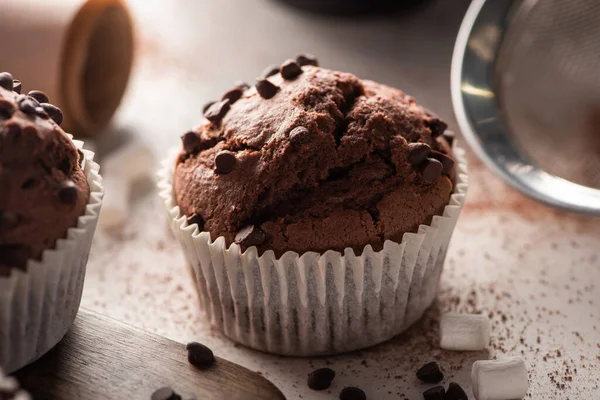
x,y
100,358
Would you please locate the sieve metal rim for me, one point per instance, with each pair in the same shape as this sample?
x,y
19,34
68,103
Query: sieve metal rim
x,y
475,100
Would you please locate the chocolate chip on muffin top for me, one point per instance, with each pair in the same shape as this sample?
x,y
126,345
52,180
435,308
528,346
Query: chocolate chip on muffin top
x,y
311,159
43,189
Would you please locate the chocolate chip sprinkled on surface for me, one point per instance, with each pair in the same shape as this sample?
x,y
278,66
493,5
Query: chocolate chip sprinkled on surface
x,y
54,112
17,86
14,255
418,152
435,393
455,392
217,111
320,379
224,162
41,113
199,355
191,142
196,219
206,106
233,95
432,169
447,162
430,373
250,236
40,96
437,126
290,69
269,71
8,221
68,192
307,59
7,109
352,393
266,89
6,81
449,136
298,135
165,393
27,104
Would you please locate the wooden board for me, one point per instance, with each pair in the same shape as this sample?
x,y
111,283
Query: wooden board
x,y
100,358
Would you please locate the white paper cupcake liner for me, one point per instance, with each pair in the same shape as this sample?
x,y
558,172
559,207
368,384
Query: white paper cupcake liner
x,y
316,304
37,306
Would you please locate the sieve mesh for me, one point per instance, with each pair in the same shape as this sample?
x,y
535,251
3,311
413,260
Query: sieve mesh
x,y
548,80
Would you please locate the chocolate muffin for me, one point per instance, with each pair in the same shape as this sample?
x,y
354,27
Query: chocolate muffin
x,y
310,159
43,189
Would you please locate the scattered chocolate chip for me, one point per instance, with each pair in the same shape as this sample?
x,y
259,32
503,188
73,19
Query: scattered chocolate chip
x,y
269,71
41,113
432,169
7,109
352,393
199,355
165,393
455,392
27,104
233,95
196,219
447,162
54,112
14,255
29,184
40,96
224,162
8,221
217,111
65,166
435,393
266,89
320,379
206,106
81,159
68,192
6,81
307,59
418,152
250,236
17,86
191,142
430,373
290,69
437,126
298,135
449,136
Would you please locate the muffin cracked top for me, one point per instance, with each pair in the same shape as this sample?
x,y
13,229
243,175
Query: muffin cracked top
x,y
310,159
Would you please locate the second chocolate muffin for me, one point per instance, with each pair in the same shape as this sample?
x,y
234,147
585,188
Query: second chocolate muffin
x,y
311,159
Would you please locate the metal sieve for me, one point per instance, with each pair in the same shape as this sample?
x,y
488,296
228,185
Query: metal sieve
x,y
526,92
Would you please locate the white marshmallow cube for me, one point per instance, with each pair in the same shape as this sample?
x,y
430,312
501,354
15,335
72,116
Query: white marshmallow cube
x,y
499,379
464,332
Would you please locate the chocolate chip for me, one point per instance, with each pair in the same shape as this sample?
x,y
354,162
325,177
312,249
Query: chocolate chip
x,y
437,126
8,221
207,106
54,112
17,86
196,219
7,109
233,95
307,59
430,373
27,104
447,162
455,392
217,111
352,393
165,393
449,136
65,166
290,69
68,192
435,393
41,113
14,255
320,379
224,162
418,152
40,96
432,169
266,89
250,236
199,355
298,135
191,142
81,159
269,71
6,81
